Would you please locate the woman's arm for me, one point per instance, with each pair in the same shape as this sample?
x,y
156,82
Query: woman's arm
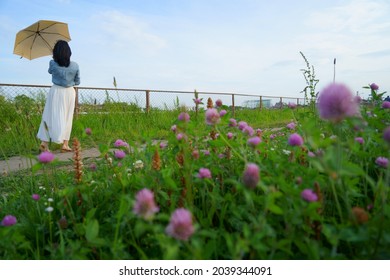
x,y
51,66
77,77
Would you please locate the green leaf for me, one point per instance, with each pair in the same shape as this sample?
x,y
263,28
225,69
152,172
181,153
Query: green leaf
x,y
275,209
351,169
90,214
36,167
79,229
103,149
92,230
168,179
331,234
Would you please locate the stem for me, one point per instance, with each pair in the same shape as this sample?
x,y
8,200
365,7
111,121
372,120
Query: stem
x,y
50,229
337,201
339,163
37,242
230,146
117,225
382,193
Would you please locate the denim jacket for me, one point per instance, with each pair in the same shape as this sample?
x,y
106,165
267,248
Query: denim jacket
x,y
65,76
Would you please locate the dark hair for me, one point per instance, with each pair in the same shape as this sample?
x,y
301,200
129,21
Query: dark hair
x,y
62,53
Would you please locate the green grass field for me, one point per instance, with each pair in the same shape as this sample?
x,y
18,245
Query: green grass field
x,y
22,115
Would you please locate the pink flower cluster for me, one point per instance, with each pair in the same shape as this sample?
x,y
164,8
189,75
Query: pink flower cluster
x,y
254,141
120,143
374,86
204,173
248,130
251,175
119,154
212,116
232,122
386,105
184,117
309,195
45,157
198,101
242,125
222,113
336,102
295,140
180,225
292,105
291,125
360,140
382,162
386,134
145,205
9,220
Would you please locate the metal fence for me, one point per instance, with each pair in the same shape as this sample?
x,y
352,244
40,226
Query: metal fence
x,y
153,99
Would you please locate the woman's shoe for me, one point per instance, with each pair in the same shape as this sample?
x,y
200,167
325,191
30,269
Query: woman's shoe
x,y
66,150
43,148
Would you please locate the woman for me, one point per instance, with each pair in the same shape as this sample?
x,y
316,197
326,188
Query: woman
x,y
57,118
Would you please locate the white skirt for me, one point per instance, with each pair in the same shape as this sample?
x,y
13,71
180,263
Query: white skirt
x,y
57,117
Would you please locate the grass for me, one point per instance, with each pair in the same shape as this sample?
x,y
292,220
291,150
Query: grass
x,y
215,194
21,118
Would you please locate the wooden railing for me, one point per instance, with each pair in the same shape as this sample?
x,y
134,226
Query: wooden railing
x,y
148,99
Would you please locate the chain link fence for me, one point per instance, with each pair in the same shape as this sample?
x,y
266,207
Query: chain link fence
x,y
89,98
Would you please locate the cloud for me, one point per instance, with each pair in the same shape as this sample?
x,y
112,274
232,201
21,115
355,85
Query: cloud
x,y
284,63
122,31
380,53
345,32
357,17
64,1
6,24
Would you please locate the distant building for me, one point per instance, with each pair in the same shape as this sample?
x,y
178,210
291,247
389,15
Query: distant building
x,y
253,104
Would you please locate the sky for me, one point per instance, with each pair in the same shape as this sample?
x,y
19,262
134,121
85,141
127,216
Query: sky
x,y
235,46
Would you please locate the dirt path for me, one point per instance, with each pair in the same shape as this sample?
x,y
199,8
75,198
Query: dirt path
x,y
18,163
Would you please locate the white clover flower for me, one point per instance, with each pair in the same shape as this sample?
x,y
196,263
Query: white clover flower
x,y
286,152
49,209
50,199
109,160
138,164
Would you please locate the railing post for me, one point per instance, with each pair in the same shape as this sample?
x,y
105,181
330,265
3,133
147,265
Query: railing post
x,y
261,103
233,108
147,101
281,102
76,103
